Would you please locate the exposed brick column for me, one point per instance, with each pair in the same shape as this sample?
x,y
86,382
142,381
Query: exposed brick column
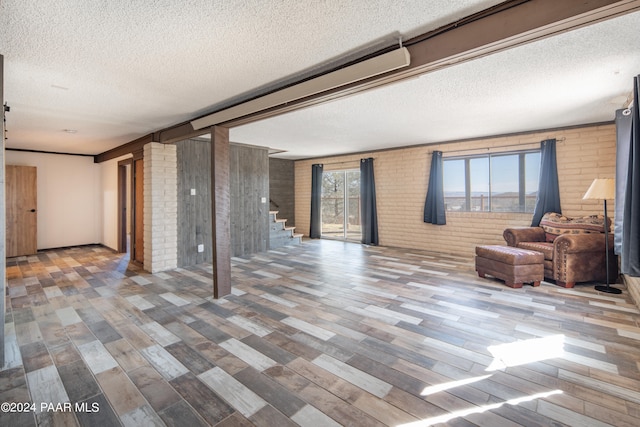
x,y
160,207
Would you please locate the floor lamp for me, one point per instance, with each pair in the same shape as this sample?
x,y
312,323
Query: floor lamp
x,y
603,189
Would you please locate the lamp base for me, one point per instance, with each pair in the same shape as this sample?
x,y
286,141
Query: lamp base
x,y
608,289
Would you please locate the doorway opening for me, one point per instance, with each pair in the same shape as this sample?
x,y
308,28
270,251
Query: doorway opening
x,y
131,208
124,206
341,205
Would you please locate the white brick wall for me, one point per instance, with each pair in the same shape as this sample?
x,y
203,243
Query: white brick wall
x,y
160,207
402,178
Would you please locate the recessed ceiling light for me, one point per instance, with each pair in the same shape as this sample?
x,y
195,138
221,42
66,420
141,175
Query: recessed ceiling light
x,y
71,130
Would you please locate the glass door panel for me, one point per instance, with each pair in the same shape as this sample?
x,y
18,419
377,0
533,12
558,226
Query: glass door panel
x,y
352,220
333,204
341,204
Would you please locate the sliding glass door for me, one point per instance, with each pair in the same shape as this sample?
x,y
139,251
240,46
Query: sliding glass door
x,y
341,204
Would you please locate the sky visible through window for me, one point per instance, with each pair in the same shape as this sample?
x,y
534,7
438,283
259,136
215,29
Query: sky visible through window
x,y
495,177
454,176
504,168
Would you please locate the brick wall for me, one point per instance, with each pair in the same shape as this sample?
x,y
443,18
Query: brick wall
x,y
402,176
160,207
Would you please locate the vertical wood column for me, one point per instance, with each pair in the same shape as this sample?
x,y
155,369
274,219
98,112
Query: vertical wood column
x,y
221,211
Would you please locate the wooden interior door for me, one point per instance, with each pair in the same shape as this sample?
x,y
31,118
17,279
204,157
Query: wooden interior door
x,y
138,211
22,210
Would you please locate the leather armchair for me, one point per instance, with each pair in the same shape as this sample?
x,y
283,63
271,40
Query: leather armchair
x,y
569,258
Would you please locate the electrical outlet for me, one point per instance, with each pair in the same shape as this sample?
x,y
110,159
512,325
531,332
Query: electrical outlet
x,y
263,200
200,248
193,191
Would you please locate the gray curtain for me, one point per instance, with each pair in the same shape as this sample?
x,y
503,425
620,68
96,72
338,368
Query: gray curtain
x,y
315,229
434,211
623,141
369,215
631,215
548,199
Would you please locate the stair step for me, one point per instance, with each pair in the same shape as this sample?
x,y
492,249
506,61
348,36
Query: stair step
x,y
282,235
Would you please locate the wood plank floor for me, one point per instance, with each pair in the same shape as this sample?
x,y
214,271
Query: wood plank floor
x,y
323,334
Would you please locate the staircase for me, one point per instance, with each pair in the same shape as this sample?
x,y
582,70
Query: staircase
x,y
281,235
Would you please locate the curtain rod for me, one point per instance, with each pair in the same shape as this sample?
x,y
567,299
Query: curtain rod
x,y
345,161
497,146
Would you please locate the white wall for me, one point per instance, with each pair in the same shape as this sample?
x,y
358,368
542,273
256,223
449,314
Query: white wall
x,y
109,197
69,203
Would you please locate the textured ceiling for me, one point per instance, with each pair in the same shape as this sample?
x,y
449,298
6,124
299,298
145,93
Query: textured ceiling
x,y
575,78
115,71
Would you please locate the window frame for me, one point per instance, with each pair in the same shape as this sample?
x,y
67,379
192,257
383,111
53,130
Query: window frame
x,y
467,179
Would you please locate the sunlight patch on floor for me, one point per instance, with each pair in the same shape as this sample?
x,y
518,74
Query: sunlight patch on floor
x,y
452,384
478,410
505,355
526,351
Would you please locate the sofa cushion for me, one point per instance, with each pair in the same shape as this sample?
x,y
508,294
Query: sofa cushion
x,y
555,224
545,247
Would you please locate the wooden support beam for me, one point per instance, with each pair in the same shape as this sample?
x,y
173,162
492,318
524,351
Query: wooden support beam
x,y
221,211
506,25
165,136
179,132
128,148
509,24
518,24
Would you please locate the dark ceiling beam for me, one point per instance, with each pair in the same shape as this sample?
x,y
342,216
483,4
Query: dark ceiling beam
x,y
128,148
180,132
509,24
165,136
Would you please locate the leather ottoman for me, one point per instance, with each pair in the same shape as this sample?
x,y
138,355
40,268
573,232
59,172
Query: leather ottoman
x,y
513,265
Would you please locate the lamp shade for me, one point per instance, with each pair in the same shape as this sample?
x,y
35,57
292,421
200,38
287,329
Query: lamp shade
x,y
601,189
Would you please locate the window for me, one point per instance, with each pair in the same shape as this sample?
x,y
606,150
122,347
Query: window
x,y
505,182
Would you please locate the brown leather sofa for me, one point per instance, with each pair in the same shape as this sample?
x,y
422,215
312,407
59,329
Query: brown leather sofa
x,y
573,248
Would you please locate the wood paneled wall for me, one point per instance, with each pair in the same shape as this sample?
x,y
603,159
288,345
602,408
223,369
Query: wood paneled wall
x,y
249,199
282,188
194,211
249,168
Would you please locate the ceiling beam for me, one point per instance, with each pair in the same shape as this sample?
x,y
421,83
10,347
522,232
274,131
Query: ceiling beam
x,y
179,132
509,24
380,64
122,150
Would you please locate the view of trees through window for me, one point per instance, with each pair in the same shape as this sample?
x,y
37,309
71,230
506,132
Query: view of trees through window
x,y
341,204
506,182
